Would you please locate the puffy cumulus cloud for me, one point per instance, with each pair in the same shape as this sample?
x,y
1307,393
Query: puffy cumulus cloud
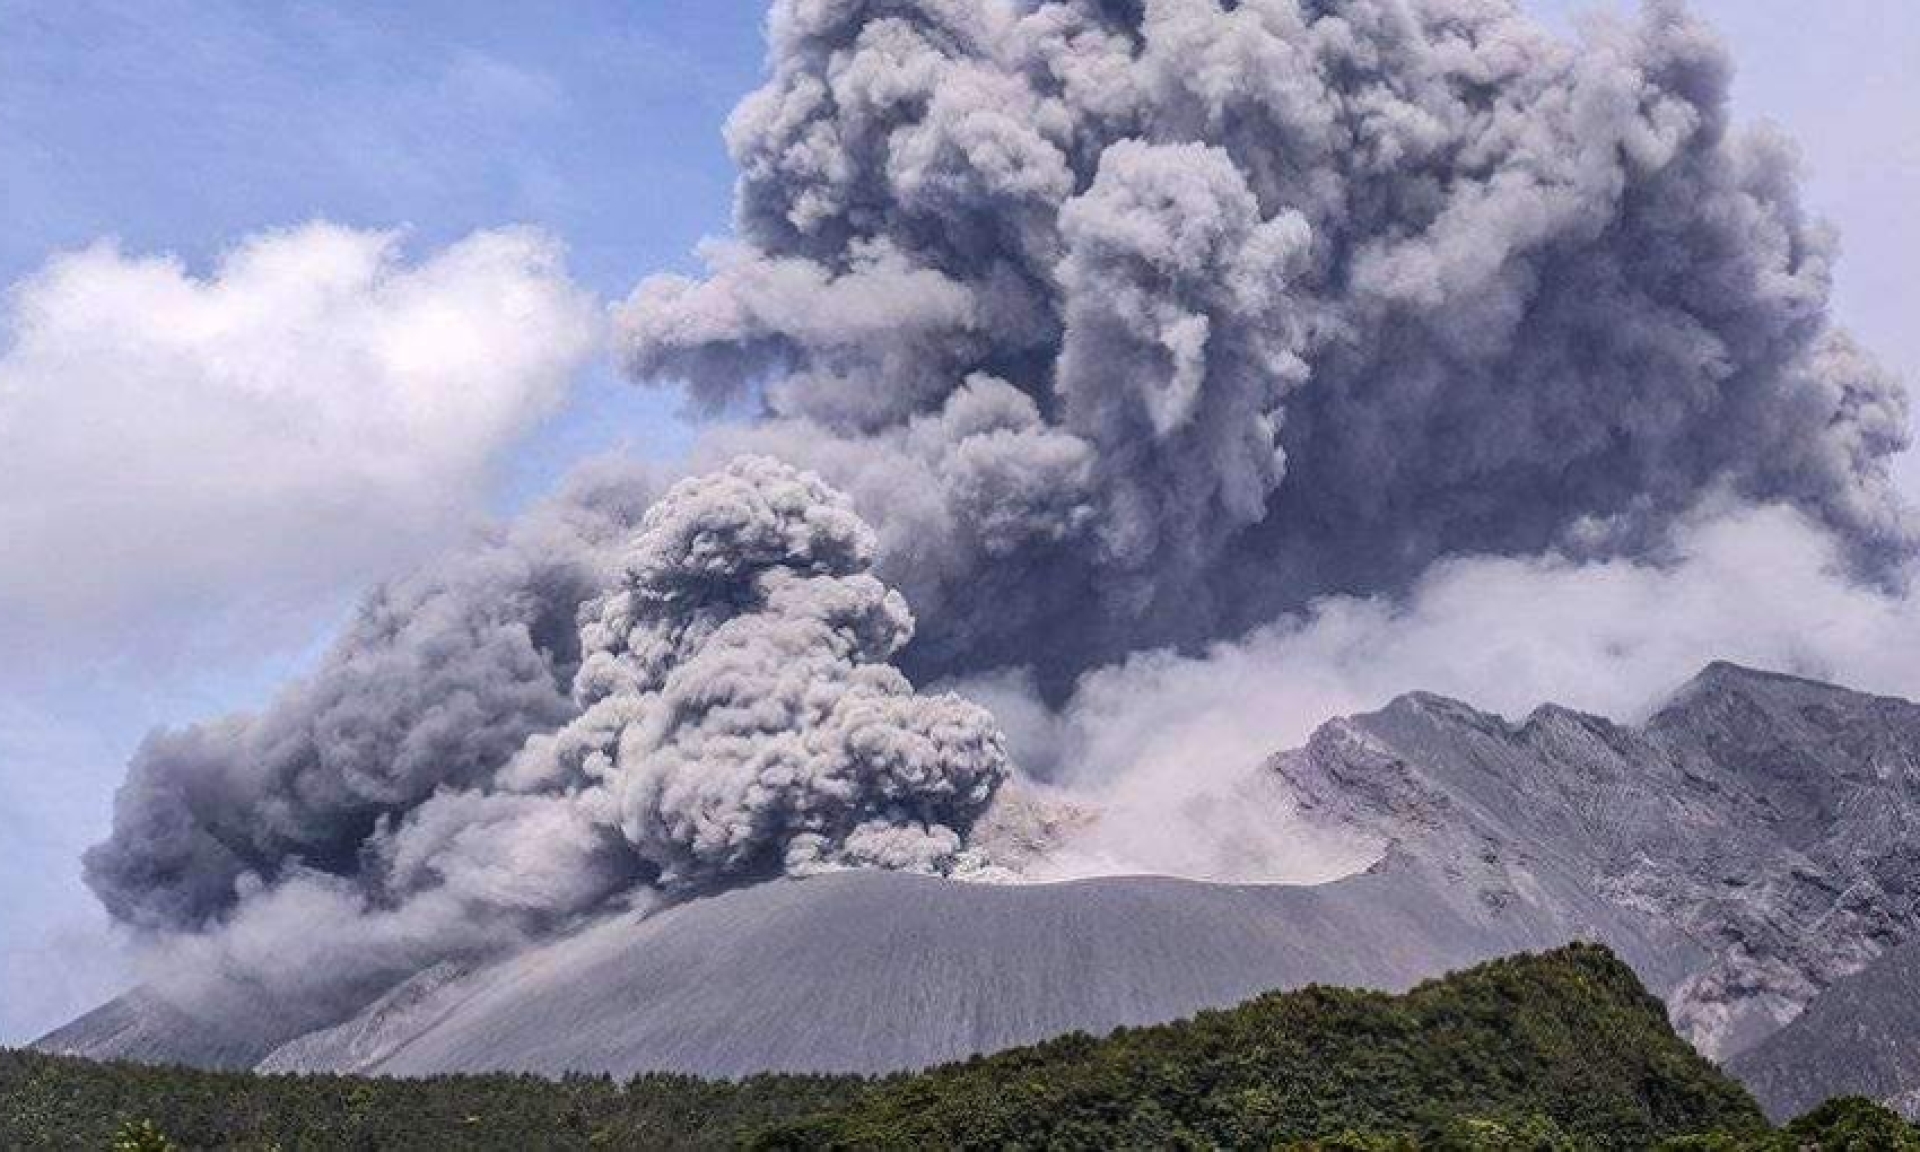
x,y
1301,298
313,410
1167,746
617,697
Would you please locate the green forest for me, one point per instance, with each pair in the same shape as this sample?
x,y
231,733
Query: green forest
x,y
1560,1051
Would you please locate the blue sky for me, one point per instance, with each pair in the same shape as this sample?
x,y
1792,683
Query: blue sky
x,y
186,126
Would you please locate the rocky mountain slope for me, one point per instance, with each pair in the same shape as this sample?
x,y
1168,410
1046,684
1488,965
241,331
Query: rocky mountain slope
x,y
1861,1036
1753,843
1774,821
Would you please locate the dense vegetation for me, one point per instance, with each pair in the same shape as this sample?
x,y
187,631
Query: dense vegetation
x,y
1563,1051
59,1102
1569,1044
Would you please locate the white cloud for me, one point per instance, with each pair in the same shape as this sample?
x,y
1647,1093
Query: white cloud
x,y
315,410
1167,744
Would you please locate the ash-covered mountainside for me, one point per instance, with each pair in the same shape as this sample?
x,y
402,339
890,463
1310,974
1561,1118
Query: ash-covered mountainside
x,y
1860,1037
1774,821
143,1026
880,971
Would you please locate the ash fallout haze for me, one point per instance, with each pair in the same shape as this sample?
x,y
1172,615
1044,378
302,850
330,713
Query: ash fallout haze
x,y
543,513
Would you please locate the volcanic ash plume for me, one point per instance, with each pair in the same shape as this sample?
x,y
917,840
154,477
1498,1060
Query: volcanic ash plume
x,y
1268,299
1130,327
464,773
738,701
434,686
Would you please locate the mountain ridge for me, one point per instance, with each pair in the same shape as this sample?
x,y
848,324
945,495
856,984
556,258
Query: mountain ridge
x,y
1698,816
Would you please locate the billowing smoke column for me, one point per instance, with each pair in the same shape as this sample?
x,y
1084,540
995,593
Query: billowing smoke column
x,y
1125,324
738,700
1134,322
602,702
434,687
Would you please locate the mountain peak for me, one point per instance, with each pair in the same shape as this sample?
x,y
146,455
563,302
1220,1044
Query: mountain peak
x,y
1724,674
1725,684
1430,704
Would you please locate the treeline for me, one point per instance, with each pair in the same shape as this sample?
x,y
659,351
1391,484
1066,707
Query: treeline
x,y
1561,1051
66,1103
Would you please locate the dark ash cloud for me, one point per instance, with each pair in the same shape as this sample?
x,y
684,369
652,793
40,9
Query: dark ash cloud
x,y
1299,296
617,698
1123,327
436,684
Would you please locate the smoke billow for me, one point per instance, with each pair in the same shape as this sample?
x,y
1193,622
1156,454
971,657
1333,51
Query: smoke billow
x,y
1297,296
616,697
738,700
436,684
1194,368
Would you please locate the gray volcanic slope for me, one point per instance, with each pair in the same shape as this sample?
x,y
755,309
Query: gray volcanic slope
x,y
873,971
1861,1037
1754,843
144,1027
